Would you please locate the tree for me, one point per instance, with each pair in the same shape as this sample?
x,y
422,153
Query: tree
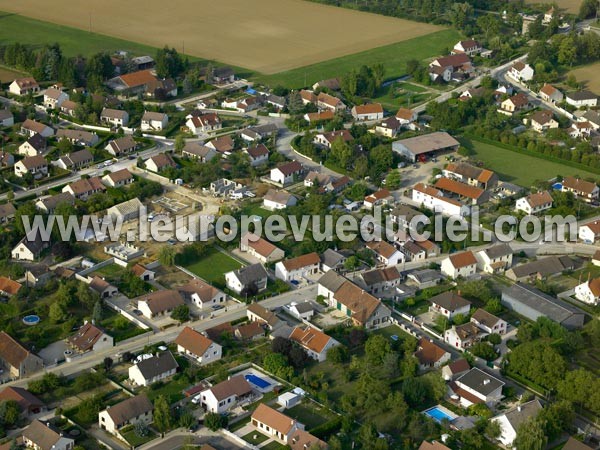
x,y
25,210
558,417
338,354
483,350
57,313
376,348
214,421
179,143
162,414
494,339
277,364
531,435
298,357
181,313
140,429
281,345
393,180
108,363
186,419
97,313
166,255
341,152
9,413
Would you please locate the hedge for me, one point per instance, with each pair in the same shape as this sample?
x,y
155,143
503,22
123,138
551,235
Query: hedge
x,y
328,428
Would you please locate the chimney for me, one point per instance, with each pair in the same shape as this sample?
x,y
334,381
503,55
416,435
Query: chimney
x,y
459,292
519,408
486,381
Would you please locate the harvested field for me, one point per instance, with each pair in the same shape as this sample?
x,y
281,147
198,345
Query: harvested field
x,y
8,75
267,36
569,6
588,75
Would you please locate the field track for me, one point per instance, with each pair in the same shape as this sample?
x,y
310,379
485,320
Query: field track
x,y
267,36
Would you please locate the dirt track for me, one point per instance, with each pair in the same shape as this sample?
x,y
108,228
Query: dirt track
x,y
267,36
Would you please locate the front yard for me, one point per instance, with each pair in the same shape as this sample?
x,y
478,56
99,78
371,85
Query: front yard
x,y
213,266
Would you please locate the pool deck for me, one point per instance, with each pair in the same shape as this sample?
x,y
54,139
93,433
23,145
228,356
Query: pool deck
x,y
443,410
263,376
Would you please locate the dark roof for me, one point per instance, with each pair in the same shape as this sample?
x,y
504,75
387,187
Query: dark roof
x,y
450,301
480,381
12,351
485,318
521,413
128,409
331,258
581,95
86,337
458,366
497,251
52,202
237,386
332,281
23,397
377,276
157,365
42,434
574,444
251,274
545,266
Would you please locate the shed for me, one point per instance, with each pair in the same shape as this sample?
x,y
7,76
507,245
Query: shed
x,y
289,399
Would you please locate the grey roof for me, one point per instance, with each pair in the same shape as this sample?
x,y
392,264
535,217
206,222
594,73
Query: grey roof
x,y
498,251
551,307
485,318
5,114
251,274
521,413
223,72
332,281
581,95
407,212
157,365
377,276
304,307
592,116
50,203
123,411
480,381
126,208
450,301
511,187
426,143
331,258
425,275
545,266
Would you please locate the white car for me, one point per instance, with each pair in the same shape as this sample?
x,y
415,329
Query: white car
x,y
196,399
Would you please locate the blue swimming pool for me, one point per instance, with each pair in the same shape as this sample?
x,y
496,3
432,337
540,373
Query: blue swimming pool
x,y
557,186
439,413
257,381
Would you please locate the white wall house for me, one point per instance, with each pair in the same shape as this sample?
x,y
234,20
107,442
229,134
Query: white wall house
x,y
494,259
510,421
134,410
298,268
534,203
154,121
223,396
459,265
433,199
590,232
588,292
156,368
477,386
198,347
314,342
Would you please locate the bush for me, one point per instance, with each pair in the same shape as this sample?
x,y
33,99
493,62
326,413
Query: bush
x,y
214,421
328,428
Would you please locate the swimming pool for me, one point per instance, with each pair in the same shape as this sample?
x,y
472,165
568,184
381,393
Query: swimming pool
x,y
257,381
557,186
439,413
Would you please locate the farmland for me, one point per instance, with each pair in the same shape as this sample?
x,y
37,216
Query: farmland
x,y
570,6
7,75
266,36
589,75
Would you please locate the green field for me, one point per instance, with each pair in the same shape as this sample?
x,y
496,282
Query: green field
x,y
392,98
521,169
393,56
213,266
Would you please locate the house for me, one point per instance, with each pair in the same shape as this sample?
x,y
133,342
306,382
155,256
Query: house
x,y
413,251
159,303
271,422
198,347
225,395
450,304
102,287
259,132
143,82
156,368
542,121
591,116
251,279
201,124
6,118
119,178
433,445
362,308
534,203
29,248
227,188
69,107
459,265
418,147
143,273
16,359
318,117
445,68
54,98
200,153
433,199
389,127
471,175
258,155
386,253
9,287
326,101
380,281
201,293
580,130
38,275
550,94
533,303
370,111
31,127
299,268
122,146
78,137
258,313
495,259
28,403
76,160
132,411
35,145
455,369
286,173
510,421
489,322
477,387
590,232
584,190
541,268
24,86
222,144
520,72
249,332
314,342
43,436
85,187
574,444
243,105
302,311
6,159
115,117
275,100
464,192
275,199
37,166
333,84
581,99
302,440
470,47
328,138
260,248
159,162
7,212
378,198
125,211
222,75
431,355
90,338
513,104
588,292
154,121
471,93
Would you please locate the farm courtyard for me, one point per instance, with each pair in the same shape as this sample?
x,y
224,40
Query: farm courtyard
x,y
266,36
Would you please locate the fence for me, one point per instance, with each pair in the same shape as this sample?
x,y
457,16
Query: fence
x,y
82,275
127,315
238,439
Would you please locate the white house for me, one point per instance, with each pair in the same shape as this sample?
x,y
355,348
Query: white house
x,y
314,342
6,118
588,292
431,355
198,347
159,162
202,294
154,121
134,410
251,278
581,99
590,232
449,304
477,386
386,253
433,199
34,165
54,98
285,173
260,248
470,47
90,338
534,203
159,303
276,199
585,190
258,155
35,145
29,248
24,86
31,127
488,322
298,268
274,424
156,368
459,265
510,421
495,259
115,117
43,436
225,395
521,72
204,123
370,111
463,336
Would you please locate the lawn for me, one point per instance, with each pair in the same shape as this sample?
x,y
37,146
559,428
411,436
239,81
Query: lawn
x,y
212,266
256,209
588,75
135,440
260,438
309,414
393,56
392,97
274,445
518,168
118,326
